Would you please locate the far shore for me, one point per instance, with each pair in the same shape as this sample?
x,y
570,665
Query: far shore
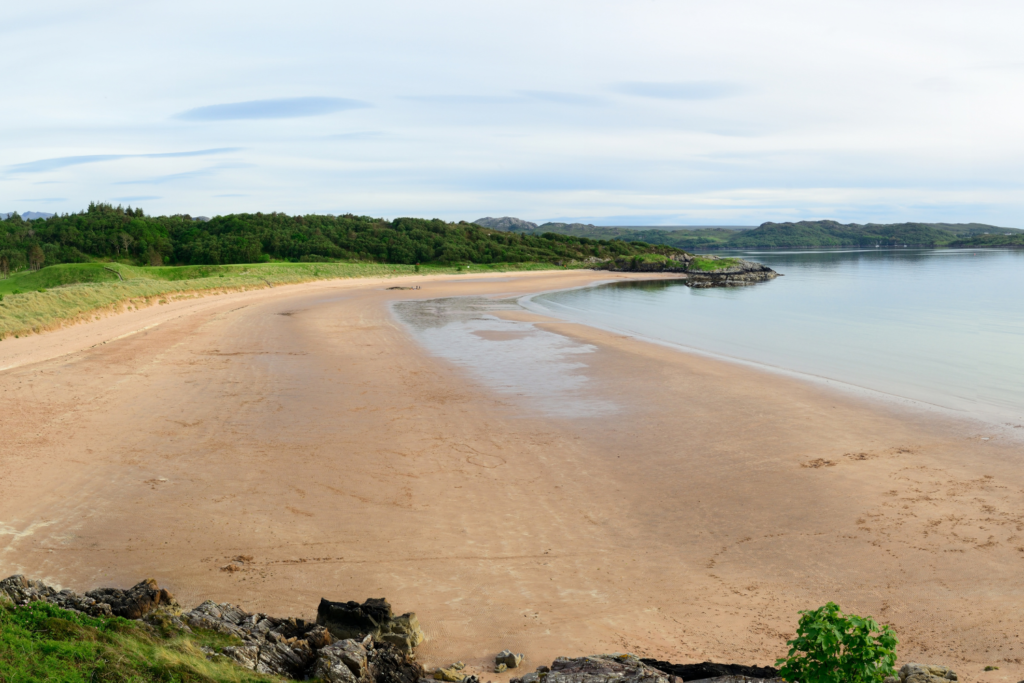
x,y
305,428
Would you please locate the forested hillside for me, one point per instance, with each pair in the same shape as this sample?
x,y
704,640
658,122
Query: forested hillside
x,y
106,232
803,234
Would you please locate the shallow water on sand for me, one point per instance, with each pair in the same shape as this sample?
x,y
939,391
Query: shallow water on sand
x,y
540,371
941,327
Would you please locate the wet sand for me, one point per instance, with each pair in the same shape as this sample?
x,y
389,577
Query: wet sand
x,y
306,427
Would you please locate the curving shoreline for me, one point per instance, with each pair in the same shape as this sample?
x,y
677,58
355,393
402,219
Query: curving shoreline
x,y
307,430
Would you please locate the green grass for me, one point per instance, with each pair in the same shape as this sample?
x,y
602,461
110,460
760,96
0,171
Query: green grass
x,y
707,265
32,302
41,642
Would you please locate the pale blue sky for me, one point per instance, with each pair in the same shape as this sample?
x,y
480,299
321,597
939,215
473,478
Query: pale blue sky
x,y
641,112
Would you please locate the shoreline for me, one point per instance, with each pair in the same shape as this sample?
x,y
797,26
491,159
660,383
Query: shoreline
x,y
926,409
309,430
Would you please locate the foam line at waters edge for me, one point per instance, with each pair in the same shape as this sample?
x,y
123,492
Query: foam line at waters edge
x,y
932,409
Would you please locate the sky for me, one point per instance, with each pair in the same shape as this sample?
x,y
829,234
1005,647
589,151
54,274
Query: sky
x,y
639,112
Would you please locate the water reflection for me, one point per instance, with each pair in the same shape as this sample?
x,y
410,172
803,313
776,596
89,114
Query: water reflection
x,y
939,326
542,372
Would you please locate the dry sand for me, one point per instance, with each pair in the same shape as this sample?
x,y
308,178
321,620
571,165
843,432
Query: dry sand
x,y
303,426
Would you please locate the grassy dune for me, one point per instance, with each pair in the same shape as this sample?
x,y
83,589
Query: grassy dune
x,y
60,295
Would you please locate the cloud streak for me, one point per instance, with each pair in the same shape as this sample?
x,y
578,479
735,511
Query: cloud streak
x,y
281,108
682,90
43,165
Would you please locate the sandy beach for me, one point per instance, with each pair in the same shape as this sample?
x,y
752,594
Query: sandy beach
x,y
691,518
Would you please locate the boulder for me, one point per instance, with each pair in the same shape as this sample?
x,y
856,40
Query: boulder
x,y
374,617
388,664
346,661
926,673
135,602
350,619
509,659
613,668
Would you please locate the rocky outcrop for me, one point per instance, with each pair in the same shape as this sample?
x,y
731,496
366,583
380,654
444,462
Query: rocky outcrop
x,y
699,272
925,673
506,223
298,648
133,603
379,651
697,672
616,668
372,618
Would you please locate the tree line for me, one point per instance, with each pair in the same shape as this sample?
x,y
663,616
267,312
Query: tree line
x,y
106,232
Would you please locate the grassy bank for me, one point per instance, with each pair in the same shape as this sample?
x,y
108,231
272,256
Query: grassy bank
x,y
64,294
41,642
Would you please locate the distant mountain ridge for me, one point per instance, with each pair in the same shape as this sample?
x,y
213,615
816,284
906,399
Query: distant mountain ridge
x,y
506,224
28,215
792,235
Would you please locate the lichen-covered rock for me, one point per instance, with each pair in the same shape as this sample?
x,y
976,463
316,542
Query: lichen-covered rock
x,y
346,661
246,655
135,602
282,659
613,668
388,664
509,659
926,673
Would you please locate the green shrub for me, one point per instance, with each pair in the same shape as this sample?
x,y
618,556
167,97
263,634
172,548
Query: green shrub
x,y
832,647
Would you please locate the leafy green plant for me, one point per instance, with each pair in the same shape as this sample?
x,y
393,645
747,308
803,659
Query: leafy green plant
x,y
832,647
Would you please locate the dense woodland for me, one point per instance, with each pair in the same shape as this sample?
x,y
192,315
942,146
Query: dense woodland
x,y
802,234
114,233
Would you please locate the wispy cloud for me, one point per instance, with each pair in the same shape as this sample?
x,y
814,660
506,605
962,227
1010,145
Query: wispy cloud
x,y
281,108
556,97
187,175
462,99
137,198
681,90
234,194
365,135
62,162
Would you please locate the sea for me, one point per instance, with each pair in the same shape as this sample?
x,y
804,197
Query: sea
x,y
939,328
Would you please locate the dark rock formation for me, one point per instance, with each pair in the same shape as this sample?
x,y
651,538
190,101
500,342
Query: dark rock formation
x,y
135,602
624,668
733,273
373,618
139,600
297,648
697,672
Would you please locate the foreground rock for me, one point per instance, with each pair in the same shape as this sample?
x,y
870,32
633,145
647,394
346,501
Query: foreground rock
x,y
925,673
133,603
619,668
705,670
732,273
377,649
372,618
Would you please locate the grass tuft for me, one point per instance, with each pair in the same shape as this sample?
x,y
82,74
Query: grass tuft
x,y
41,642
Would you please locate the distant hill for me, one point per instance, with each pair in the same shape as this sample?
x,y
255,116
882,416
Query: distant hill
x,y
802,234
28,215
506,224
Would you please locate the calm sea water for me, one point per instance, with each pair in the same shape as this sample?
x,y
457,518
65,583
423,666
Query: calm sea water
x,y
940,327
